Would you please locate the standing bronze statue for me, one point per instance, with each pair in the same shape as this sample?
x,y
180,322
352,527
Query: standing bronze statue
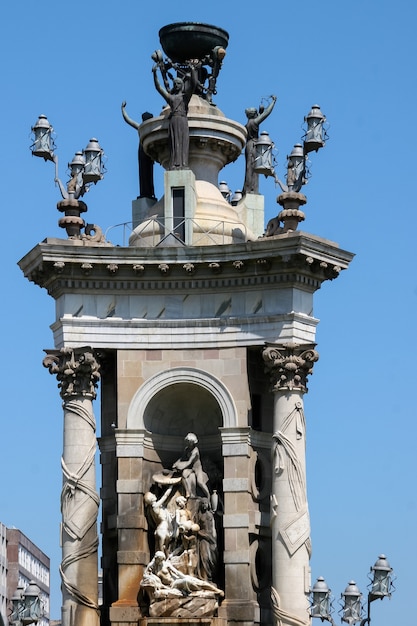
x,y
255,118
178,98
145,163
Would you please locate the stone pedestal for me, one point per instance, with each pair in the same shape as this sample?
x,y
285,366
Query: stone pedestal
x,y
291,216
251,211
189,607
166,621
215,141
125,616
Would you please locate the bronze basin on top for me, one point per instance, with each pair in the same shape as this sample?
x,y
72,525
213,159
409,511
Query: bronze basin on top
x,y
191,40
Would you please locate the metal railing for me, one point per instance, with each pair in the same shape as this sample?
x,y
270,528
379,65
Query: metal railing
x,y
155,231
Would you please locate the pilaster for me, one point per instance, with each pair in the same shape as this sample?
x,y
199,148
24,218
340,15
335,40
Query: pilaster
x,y
179,222
133,551
240,605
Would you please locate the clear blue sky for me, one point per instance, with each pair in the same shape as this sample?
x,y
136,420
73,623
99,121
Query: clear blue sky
x,y
76,64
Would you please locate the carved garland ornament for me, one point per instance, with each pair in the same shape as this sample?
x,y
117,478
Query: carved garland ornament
x,y
289,365
297,532
281,616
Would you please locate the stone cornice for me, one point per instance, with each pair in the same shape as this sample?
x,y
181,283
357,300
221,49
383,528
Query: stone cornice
x,y
62,265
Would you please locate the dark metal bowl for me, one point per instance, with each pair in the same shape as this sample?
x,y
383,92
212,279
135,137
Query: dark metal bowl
x,y
191,40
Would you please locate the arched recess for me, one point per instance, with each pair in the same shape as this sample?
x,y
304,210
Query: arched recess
x,y
162,411
187,378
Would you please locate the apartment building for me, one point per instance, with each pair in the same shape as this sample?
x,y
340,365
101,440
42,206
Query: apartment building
x,y
21,561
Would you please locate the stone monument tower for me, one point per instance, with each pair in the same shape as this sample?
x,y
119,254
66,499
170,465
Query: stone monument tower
x,y
201,336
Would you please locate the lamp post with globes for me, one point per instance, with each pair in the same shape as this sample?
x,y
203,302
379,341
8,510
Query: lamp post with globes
x,y
381,586
86,168
298,173
27,607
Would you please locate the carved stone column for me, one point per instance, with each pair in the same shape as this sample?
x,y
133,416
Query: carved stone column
x,y
289,366
77,371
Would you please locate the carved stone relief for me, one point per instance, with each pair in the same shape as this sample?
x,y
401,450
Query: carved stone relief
x,y
179,580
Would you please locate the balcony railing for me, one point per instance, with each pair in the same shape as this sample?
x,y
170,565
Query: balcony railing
x,y
154,232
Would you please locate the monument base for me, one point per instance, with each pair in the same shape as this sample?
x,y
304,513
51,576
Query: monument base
x,y
189,607
167,621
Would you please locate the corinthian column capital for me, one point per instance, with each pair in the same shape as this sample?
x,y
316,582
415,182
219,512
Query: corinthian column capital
x,y
77,371
289,365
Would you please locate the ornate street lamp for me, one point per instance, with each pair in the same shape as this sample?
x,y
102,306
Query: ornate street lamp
x,y
93,167
236,197
225,191
26,605
381,579
85,169
316,135
298,173
43,142
264,158
314,138
352,611
321,604
352,604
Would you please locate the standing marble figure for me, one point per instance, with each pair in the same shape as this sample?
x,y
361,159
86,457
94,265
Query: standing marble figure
x,y
206,541
178,98
255,118
161,518
191,469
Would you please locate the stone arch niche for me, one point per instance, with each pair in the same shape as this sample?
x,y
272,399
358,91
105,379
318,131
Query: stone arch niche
x,y
173,403
163,411
143,408
183,407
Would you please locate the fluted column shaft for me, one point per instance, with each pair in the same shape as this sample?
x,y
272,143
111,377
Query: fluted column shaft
x,y
77,371
289,366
